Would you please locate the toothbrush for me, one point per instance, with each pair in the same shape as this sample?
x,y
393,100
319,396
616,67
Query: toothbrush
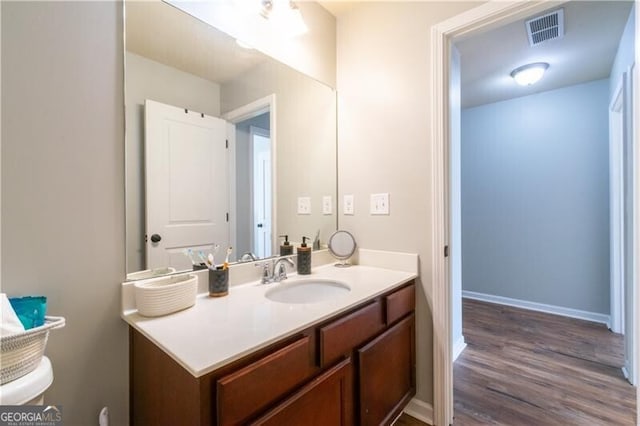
x,y
202,258
216,247
189,253
225,265
210,260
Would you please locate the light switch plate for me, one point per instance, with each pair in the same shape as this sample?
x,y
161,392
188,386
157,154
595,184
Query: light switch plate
x,y
380,203
348,207
304,205
327,205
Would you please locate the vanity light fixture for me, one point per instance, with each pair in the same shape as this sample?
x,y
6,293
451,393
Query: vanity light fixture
x,y
529,74
285,16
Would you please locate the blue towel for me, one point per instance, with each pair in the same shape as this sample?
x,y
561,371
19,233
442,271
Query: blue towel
x,y
30,310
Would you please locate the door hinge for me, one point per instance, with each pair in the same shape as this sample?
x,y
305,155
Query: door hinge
x,y
446,251
227,217
226,143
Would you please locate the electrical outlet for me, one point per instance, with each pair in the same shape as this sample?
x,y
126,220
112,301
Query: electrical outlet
x,y
304,205
327,205
380,204
348,207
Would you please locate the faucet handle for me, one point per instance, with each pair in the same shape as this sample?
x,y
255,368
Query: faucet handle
x,y
281,273
266,270
264,265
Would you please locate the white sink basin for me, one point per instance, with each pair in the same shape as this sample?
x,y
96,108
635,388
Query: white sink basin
x,y
307,290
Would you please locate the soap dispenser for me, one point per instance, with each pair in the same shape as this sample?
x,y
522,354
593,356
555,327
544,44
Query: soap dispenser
x,y
286,248
304,258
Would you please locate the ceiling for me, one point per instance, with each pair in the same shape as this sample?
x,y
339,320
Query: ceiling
x,y
592,34
161,32
337,7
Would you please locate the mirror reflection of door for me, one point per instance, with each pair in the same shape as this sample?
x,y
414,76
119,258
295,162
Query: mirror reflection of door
x,y
187,196
254,183
261,189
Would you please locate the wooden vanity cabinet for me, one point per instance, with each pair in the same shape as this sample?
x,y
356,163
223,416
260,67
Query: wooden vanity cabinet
x,y
355,368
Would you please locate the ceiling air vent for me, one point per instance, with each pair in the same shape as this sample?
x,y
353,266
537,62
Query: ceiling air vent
x,y
545,27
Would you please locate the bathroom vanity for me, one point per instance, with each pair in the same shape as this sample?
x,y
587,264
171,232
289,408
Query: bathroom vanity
x,y
245,359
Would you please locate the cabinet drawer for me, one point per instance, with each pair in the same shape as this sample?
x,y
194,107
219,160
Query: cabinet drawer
x,y
340,337
251,389
400,303
326,400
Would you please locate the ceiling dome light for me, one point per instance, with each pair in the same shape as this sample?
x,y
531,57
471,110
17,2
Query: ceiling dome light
x,y
529,74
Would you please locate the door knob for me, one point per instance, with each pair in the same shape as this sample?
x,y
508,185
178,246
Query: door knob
x,y
155,238
259,225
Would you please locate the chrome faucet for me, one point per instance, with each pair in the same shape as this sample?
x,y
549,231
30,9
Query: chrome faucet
x,y
248,257
275,270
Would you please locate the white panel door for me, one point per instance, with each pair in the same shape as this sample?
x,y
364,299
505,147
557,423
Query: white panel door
x,y
187,191
261,186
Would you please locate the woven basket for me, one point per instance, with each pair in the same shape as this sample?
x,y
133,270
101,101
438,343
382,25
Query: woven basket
x,y
21,353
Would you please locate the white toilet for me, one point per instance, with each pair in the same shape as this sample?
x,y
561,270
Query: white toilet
x,y
28,389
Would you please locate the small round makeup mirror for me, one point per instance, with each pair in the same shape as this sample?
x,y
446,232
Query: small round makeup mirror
x,y
342,245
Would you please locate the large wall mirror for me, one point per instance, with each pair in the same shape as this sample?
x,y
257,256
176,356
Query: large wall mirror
x,y
224,146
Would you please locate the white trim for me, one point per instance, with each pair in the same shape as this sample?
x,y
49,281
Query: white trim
x,y
483,17
420,410
616,205
540,307
458,347
231,158
250,110
635,111
625,372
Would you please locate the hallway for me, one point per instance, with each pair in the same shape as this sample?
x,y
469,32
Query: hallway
x,y
523,367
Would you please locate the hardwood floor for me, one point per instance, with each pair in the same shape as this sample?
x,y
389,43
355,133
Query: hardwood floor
x,y
529,368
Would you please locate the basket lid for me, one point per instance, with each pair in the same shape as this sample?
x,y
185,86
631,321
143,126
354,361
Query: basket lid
x,y
29,386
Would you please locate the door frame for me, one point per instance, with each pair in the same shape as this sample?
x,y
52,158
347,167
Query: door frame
x,y
245,112
616,205
484,17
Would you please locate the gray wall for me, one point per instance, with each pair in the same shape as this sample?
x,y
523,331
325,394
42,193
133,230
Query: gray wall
x,y
535,198
63,191
384,139
147,79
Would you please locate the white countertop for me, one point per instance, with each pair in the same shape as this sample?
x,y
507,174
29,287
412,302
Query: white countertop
x,y
217,331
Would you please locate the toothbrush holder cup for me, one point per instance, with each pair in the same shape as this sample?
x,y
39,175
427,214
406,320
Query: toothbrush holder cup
x,y
218,282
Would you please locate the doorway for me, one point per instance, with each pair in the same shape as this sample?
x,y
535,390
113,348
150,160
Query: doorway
x,y
485,17
253,148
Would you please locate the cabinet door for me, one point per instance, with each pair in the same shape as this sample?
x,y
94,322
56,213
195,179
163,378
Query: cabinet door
x,y
326,400
387,373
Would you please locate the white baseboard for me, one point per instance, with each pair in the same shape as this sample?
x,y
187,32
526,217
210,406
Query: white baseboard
x,y
625,372
458,347
420,410
540,307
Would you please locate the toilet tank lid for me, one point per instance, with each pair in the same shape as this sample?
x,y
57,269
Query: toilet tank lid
x,y
29,386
